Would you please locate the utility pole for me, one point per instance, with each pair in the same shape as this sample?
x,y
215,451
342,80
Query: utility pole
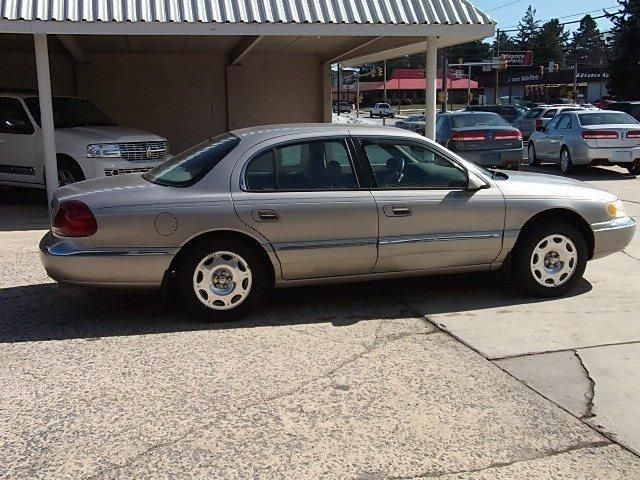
x,y
384,80
496,54
445,77
575,82
339,82
469,86
358,95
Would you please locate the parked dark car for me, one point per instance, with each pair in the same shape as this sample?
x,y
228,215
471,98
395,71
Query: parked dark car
x,y
344,106
483,138
631,107
509,112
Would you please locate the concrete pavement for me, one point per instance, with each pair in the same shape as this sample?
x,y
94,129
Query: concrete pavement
x,y
117,385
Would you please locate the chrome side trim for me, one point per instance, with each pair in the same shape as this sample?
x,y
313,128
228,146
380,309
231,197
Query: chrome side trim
x,y
443,237
615,224
340,243
61,250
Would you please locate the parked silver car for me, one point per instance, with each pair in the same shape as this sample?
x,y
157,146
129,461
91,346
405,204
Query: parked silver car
x,y
414,123
588,137
288,205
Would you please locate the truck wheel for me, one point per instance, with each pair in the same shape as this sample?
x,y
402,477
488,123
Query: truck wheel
x,y
550,260
68,172
221,280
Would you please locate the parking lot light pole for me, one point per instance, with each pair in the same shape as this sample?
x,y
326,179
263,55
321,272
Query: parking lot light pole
x,y
46,114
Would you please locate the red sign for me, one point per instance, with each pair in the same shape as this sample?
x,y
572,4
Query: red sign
x,y
521,59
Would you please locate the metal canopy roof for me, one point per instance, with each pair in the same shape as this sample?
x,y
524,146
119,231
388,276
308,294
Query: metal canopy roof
x,y
358,12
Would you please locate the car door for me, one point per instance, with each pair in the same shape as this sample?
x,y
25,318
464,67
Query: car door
x,y
17,143
556,136
304,197
428,217
544,140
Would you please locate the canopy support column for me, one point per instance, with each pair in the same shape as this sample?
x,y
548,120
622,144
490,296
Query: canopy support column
x,y
46,114
431,69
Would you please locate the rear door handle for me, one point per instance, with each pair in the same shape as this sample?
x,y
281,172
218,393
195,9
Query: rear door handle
x,y
265,216
397,211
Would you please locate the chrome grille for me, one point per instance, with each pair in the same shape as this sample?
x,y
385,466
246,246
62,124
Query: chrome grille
x,y
142,150
110,172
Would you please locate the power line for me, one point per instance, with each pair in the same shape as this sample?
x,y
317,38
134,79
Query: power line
x,y
563,23
569,16
502,6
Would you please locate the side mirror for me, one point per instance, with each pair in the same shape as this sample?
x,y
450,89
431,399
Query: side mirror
x,y
475,182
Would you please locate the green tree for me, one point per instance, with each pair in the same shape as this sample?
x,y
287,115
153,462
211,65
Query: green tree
x,y
588,45
624,58
527,30
503,42
470,51
550,42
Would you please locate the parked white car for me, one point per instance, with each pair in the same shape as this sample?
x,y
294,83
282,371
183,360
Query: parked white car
x,y
88,143
538,117
382,110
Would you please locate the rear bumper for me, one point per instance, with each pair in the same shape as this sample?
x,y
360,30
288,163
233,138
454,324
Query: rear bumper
x,y
494,158
612,236
65,262
606,156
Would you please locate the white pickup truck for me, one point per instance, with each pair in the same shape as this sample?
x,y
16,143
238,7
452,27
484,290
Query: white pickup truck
x,y
88,143
382,110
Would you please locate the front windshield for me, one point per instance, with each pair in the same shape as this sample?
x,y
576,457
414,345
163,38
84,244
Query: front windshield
x,y
478,120
70,112
606,118
189,167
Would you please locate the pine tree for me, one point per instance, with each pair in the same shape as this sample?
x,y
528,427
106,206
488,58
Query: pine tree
x,y
527,30
624,58
503,42
470,52
550,42
587,46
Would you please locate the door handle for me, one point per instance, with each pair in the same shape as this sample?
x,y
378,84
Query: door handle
x,y
397,211
265,216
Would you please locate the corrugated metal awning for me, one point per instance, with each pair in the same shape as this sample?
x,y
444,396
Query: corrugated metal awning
x,y
345,12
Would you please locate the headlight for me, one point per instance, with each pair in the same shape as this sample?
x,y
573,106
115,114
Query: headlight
x,y
616,209
103,150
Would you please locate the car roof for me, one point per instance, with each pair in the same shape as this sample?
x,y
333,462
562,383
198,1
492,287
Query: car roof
x,y
255,135
469,112
630,102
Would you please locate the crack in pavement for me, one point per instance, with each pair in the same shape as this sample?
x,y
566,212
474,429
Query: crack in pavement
x,y
592,387
629,255
547,454
379,342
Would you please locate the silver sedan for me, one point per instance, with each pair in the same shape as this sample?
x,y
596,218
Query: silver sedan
x,y
588,137
287,205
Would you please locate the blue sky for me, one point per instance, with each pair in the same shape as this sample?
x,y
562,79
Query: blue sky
x,y
509,15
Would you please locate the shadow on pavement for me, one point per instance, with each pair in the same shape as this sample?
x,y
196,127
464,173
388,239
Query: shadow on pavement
x,y
584,173
23,209
48,312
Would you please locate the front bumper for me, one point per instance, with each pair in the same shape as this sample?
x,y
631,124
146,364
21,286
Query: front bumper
x,y
511,158
67,262
108,167
612,236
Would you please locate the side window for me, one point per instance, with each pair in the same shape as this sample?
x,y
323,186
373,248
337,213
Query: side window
x,y
13,118
564,122
440,124
406,165
317,165
553,124
550,113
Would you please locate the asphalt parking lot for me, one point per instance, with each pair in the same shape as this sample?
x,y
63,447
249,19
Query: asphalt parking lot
x,y
455,377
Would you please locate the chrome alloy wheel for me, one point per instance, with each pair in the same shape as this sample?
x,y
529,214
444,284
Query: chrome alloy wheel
x,y
554,260
531,154
565,161
222,280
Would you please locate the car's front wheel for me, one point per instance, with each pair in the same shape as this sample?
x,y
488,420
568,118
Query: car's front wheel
x,y
531,155
566,164
550,260
221,280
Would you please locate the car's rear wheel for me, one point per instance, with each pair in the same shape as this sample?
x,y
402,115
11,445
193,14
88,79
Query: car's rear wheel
x,y
550,260
221,280
566,165
531,155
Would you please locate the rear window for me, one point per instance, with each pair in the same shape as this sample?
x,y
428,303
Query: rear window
x,y
383,105
478,120
189,167
533,113
606,118
550,113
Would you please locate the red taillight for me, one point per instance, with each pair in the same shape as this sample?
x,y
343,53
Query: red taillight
x,y
508,135
73,219
633,134
468,136
599,135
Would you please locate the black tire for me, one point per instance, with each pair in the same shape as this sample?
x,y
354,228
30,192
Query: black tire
x,y
69,172
533,158
187,268
370,115
566,166
523,255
